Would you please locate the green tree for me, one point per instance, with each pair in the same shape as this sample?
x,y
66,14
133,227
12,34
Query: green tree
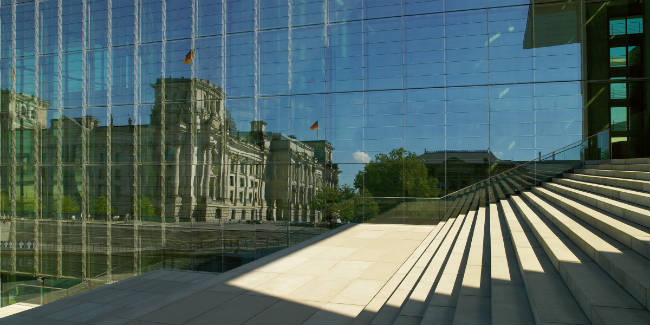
x,y
345,202
145,206
365,206
25,205
4,201
70,205
396,174
100,207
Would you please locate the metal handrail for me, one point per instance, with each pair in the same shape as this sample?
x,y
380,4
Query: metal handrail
x,y
540,158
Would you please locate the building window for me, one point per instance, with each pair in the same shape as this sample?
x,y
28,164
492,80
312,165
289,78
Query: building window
x,y
617,26
617,57
621,56
623,26
618,118
633,56
635,25
232,181
618,90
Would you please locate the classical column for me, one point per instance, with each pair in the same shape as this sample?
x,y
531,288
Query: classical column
x,y
176,174
208,174
203,160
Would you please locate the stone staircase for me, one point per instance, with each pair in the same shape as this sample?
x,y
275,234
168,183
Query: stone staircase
x,y
571,250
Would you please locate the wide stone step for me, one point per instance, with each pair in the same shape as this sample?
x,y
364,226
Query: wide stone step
x,y
600,297
624,265
413,309
550,300
498,190
540,173
514,183
633,167
635,213
492,192
509,301
629,161
442,302
630,234
631,184
522,179
462,204
405,270
631,196
507,190
628,174
473,305
530,179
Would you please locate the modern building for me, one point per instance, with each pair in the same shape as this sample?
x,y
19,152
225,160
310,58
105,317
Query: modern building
x,y
615,68
462,168
141,136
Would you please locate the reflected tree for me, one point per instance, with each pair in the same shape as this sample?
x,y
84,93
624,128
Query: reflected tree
x,y
400,173
100,207
146,207
346,203
70,205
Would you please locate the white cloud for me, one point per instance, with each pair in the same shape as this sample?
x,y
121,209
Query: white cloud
x,y
512,145
504,92
361,157
511,29
492,39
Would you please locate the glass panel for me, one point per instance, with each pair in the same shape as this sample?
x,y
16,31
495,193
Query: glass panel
x,y
618,119
634,56
288,118
617,26
617,57
618,90
635,25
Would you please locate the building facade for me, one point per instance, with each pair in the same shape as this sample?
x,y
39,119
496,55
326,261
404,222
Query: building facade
x,y
161,111
190,165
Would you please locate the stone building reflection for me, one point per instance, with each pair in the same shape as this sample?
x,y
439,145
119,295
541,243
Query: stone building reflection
x,y
187,163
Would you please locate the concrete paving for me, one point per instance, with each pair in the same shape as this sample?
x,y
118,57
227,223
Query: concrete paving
x,y
326,280
15,309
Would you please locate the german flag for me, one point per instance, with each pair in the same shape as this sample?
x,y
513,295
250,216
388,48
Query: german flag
x,y
189,57
314,126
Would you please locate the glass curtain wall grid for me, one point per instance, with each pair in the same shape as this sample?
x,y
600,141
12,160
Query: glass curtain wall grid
x,y
202,134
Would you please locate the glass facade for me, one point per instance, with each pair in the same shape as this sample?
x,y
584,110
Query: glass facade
x,y
201,134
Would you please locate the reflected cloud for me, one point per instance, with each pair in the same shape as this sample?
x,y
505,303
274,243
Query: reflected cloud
x,y
504,92
511,145
361,157
493,38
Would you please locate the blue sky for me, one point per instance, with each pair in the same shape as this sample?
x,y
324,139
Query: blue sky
x,y
456,80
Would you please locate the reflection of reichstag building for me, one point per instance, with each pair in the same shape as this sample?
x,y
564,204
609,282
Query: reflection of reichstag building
x,y
189,161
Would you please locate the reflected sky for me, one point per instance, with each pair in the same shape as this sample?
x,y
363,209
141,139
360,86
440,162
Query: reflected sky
x,y
377,75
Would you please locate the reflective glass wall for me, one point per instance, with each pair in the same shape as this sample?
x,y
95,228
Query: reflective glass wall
x,y
201,134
